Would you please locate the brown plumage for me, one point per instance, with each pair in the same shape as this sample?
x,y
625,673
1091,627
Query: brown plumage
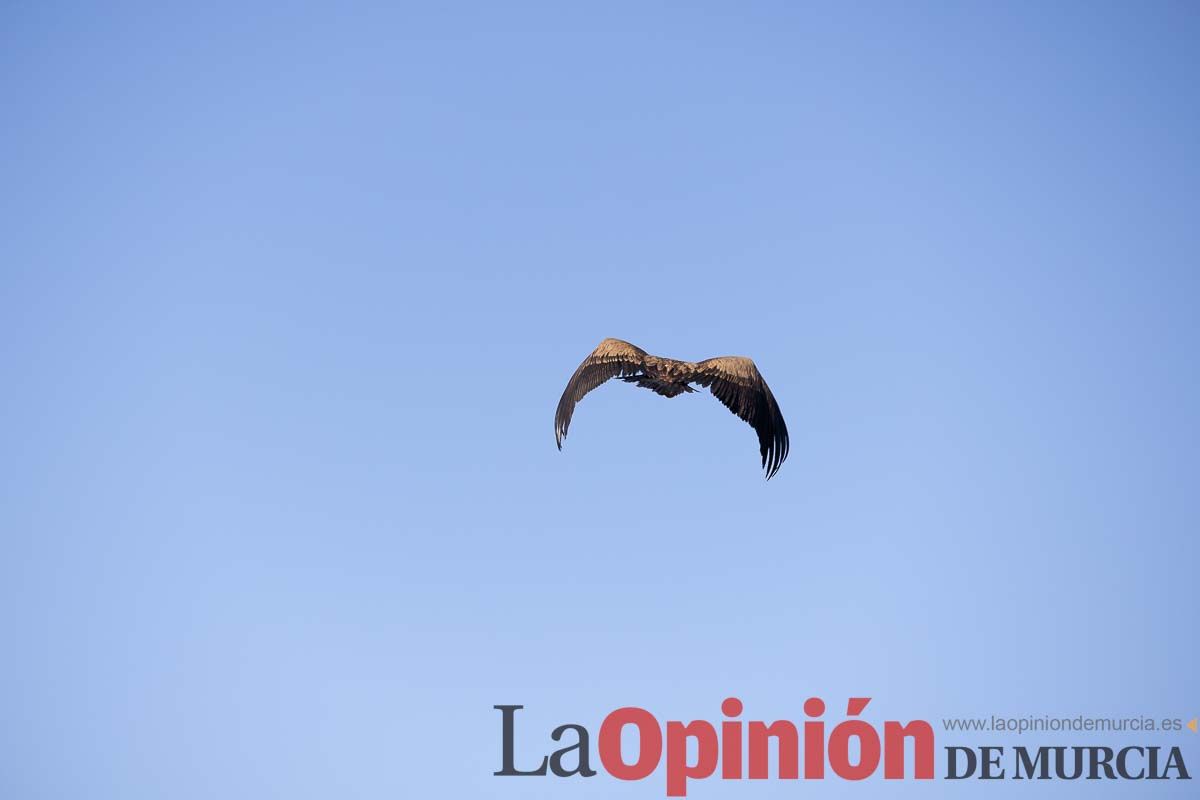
x,y
734,380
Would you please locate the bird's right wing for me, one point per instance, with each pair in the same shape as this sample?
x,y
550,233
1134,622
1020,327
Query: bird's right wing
x,y
737,383
611,359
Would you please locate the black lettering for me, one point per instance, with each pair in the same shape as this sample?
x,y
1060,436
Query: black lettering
x,y
1175,760
952,763
990,757
581,746
1060,766
1040,763
508,713
1122,766
1098,763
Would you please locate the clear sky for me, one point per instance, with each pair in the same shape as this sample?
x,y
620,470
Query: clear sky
x,y
288,296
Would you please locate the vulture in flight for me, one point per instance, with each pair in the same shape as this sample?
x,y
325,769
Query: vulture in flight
x,y
734,380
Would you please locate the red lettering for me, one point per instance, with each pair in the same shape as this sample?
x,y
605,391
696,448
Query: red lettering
x,y
649,743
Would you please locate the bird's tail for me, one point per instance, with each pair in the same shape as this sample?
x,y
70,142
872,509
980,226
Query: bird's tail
x,y
665,388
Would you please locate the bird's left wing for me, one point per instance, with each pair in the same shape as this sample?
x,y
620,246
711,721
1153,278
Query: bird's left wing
x,y
612,358
737,383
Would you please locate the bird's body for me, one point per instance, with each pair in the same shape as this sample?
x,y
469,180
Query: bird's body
x,y
734,380
665,376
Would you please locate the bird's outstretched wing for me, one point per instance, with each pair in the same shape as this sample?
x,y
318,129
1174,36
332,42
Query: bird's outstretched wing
x,y
611,359
736,382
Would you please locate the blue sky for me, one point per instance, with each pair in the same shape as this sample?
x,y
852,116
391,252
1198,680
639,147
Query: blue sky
x,y
288,296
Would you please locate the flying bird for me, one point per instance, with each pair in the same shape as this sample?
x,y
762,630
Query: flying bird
x,y
734,380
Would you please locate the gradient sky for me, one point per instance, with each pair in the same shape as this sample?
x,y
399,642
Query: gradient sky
x,y
288,296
